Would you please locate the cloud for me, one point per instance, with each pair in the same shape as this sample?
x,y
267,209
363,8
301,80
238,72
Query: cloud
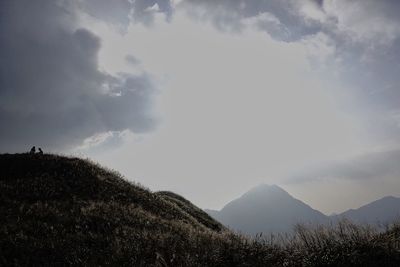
x,y
116,12
145,10
229,15
371,166
367,21
338,186
52,92
238,109
365,37
103,142
132,60
122,12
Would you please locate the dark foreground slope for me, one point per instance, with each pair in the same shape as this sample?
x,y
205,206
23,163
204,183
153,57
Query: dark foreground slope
x,y
197,213
67,211
59,211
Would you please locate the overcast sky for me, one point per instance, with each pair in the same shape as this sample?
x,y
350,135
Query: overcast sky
x,y
208,98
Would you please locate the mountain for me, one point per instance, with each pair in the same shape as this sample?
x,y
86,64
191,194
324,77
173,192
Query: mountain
x,y
267,209
63,211
270,209
212,213
384,210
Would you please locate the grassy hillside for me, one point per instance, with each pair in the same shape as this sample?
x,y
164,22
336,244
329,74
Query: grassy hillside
x,y
197,213
60,211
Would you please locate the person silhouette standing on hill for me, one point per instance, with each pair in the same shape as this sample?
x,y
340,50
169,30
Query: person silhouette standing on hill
x,y
40,151
33,150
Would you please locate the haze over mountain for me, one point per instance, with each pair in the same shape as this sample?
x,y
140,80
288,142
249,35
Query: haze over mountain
x,y
270,209
266,209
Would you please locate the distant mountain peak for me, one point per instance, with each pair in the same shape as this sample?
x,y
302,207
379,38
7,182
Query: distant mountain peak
x,y
267,191
262,188
266,208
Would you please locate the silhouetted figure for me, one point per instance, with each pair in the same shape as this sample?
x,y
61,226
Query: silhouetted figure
x,y
33,150
40,151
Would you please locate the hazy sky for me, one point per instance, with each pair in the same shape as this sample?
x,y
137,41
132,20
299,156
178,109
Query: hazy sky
x,y
208,98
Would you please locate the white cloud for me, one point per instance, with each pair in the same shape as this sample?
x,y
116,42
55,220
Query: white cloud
x,y
238,106
95,140
237,109
310,10
365,21
321,49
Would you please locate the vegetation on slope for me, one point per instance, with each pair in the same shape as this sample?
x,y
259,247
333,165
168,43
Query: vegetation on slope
x,y
192,210
59,211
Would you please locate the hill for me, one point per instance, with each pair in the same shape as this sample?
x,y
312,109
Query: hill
x,y
67,211
267,209
62,211
197,213
382,211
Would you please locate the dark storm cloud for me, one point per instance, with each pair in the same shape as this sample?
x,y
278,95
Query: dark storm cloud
x,y
370,166
51,91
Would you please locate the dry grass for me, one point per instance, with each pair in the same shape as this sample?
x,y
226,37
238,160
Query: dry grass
x,y
60,211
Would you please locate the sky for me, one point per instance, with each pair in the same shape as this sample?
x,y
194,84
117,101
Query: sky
x,y
211,98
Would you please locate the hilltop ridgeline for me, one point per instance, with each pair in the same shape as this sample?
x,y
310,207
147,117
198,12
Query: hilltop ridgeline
x,y
67,210
62,211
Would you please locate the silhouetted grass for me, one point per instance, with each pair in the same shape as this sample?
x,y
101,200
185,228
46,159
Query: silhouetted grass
x,y
342,244
192,210
60,211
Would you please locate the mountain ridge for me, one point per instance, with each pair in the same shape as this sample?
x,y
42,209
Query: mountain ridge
x,y
381,211
233,216
256,211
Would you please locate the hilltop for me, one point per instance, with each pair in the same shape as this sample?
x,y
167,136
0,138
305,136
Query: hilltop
x,y
65,211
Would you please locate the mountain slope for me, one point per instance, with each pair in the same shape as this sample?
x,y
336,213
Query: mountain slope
x,y
192,210
67,211
384,210
267,209
60,211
